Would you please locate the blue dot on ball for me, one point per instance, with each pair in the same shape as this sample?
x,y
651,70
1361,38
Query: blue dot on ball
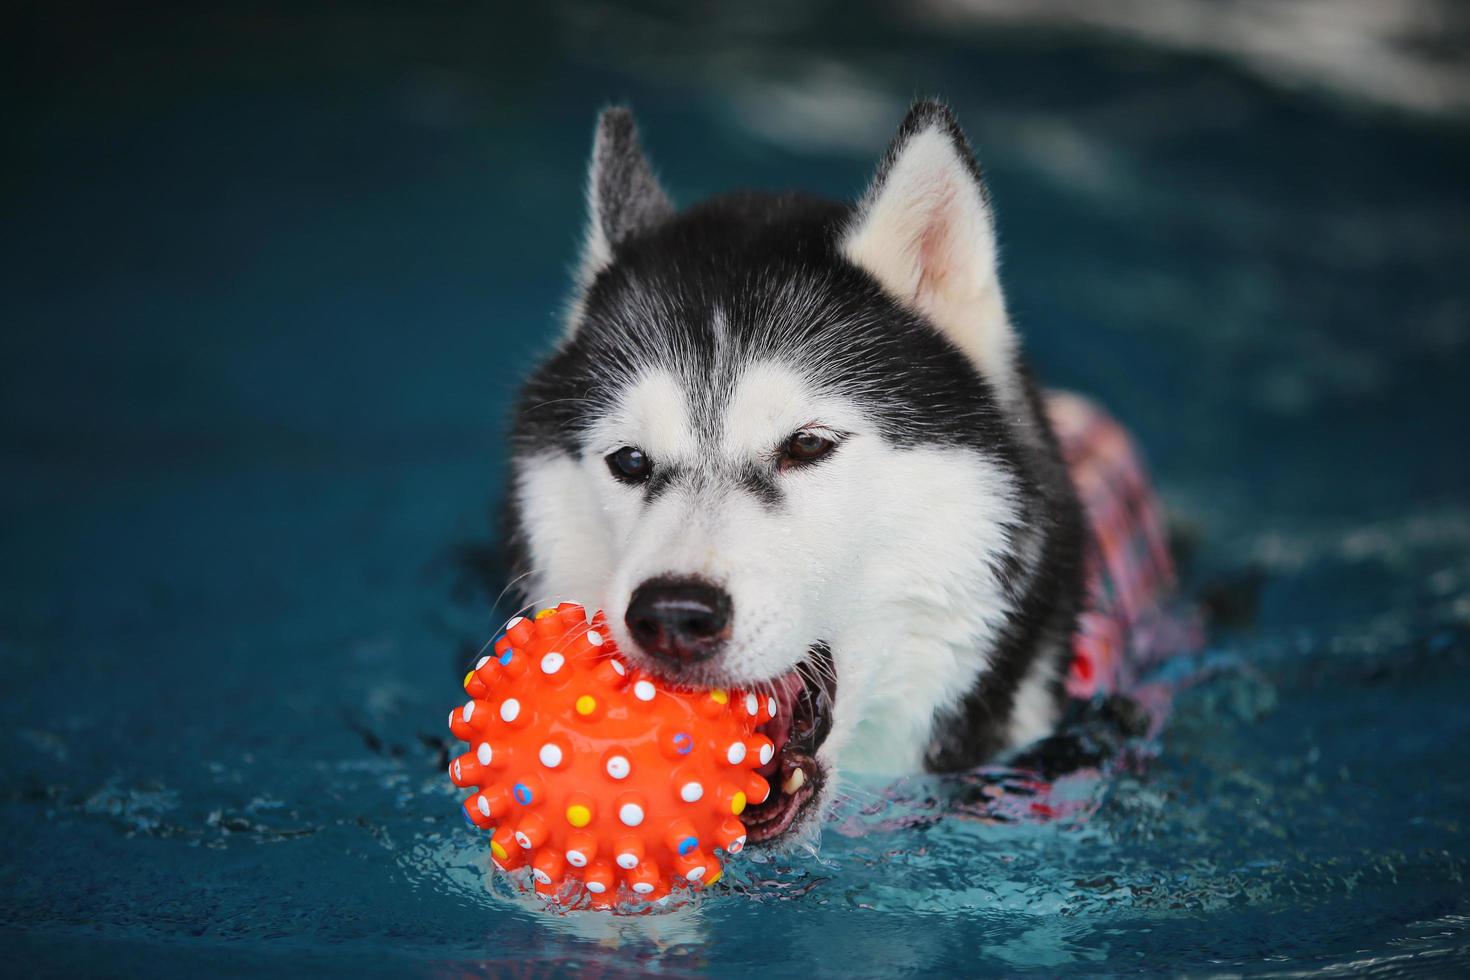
x,y
683,743
687,844
522,793
505,657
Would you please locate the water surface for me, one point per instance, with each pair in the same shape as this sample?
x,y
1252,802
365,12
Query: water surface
x,y
269,283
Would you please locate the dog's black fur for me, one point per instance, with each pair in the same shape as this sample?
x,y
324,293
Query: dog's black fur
x,y
743,253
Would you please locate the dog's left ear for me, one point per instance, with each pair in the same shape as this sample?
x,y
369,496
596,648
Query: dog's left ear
x,y
924,230
623,196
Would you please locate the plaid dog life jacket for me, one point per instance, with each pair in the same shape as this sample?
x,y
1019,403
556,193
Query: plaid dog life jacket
x,y
1124,626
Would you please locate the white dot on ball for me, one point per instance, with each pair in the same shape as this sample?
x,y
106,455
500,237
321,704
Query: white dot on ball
x,y
643,888
768,751
619,668
736,754
542,876
510,708
484,805
481,662
736,845
469,711
595,887
484,753
691,792
594,638
576,859
771,706
630,814
523,840
552,662
752,704
550,755
514,623
695,874
643,691
627,861
618,767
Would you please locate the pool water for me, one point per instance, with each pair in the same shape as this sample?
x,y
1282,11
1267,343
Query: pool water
x,y
269,282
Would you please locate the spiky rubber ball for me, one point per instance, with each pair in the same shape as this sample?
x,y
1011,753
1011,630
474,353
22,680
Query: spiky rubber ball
x,y
610,785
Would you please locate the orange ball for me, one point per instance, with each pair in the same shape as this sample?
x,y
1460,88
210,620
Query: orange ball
x,y
607,783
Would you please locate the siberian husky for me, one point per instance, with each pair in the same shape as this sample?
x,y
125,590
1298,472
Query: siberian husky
x,y
792,444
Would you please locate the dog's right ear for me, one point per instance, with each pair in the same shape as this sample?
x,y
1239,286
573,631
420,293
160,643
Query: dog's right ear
x,y
925,232
623,196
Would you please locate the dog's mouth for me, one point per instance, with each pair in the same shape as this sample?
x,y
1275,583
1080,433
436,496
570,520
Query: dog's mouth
x,y
804,700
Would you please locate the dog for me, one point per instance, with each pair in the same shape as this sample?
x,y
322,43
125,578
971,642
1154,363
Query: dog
x,y
792,445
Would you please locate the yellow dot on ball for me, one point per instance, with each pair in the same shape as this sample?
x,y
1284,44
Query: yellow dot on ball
x,y
737,802
467,678
545,612
578,815
497,850
720,696
586,704
714,877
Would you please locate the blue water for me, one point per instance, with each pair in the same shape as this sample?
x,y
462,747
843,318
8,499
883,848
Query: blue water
x,y
269,281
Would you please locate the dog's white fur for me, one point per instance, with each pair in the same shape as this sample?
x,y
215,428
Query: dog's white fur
x,y
883,552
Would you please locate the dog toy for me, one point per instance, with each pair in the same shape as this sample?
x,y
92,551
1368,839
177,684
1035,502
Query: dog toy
x,y
608,784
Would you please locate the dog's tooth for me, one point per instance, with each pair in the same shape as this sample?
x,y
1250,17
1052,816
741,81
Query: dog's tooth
x,y
795,781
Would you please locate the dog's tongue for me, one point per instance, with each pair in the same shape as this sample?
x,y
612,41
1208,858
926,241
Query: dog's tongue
x,y
778,729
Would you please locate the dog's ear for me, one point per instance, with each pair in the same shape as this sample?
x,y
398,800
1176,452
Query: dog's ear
x,y
623,195
924,230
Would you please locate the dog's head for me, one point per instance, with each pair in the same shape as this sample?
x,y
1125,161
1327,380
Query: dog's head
x,y
776,443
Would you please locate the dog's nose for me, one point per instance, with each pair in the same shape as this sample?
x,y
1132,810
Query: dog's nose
x,y
681,620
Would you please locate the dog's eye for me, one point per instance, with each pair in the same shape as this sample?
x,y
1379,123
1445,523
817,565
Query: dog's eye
x,y
630,464
805,447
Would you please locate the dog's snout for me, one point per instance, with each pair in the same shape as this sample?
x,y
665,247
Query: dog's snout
x,y
679,620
